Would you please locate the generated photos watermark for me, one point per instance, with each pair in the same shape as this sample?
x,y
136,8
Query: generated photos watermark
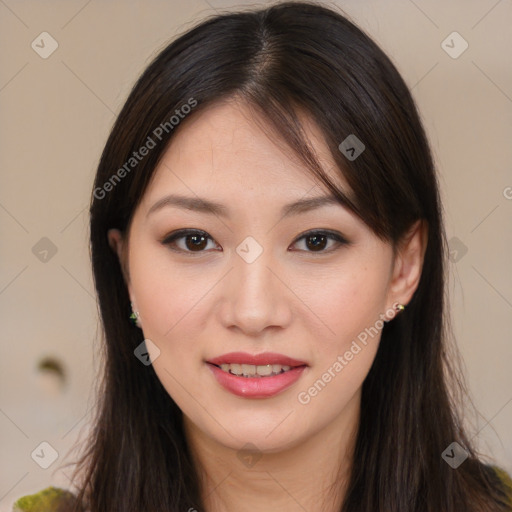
x,y
305,397
150,143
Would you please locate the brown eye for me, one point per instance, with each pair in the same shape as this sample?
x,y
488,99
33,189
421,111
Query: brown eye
x,y
317,241
194,241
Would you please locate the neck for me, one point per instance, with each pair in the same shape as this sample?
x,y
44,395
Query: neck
x,y
311,475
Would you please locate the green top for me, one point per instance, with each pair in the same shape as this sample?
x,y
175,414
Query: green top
x,y
53,499
505,478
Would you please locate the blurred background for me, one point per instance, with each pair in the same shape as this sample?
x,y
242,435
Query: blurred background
x,y
66,70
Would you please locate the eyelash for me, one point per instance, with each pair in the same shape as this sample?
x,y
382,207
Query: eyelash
x,y
183,233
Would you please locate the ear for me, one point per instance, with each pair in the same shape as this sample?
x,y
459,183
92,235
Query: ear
x,y
116,242
408,263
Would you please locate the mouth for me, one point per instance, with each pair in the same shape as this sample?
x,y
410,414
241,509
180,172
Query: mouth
x,y
255,371
256,376
267,364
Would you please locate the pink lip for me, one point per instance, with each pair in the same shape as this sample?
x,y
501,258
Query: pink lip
x,y
258,359
256,387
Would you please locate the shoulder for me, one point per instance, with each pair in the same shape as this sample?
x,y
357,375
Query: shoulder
x,y
54,499
51,499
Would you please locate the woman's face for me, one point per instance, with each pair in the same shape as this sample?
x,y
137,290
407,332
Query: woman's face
x,y
309,282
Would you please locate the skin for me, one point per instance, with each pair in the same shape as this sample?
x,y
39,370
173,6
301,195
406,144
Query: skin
x,y
293,300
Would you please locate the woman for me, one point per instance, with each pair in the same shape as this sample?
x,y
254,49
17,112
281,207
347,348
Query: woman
x,y
266,212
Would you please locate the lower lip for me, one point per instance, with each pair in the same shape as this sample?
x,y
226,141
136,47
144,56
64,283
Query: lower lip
x,y
256,387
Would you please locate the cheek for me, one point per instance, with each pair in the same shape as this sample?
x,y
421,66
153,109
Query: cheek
x,y
348,302
350,307
171,299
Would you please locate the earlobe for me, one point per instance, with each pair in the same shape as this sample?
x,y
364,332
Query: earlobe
x,y
408,266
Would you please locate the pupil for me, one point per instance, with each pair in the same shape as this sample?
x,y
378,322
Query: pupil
x,y
318,241
198,242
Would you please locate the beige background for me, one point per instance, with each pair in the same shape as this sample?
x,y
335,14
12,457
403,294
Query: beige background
x,y
56,114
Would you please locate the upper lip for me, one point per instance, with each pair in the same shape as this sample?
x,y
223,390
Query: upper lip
x,y
256,359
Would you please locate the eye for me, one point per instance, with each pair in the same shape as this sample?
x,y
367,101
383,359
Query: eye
x,y
194,240
316,241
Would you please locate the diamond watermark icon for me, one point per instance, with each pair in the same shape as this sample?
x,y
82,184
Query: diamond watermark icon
x,y
454,45
249,454
44,455
44,45
457,249
455,455
249,249
147,352
44,250
351,147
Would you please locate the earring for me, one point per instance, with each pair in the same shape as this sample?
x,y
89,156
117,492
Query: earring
x,y
392,313
135,317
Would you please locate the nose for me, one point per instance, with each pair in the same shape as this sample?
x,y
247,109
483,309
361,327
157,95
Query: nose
x,y
256,297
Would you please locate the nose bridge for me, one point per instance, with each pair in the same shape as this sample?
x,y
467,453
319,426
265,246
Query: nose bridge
x,y
252,274
253,277
256,299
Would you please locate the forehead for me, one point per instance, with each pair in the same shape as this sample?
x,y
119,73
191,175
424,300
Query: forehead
x,y
230,150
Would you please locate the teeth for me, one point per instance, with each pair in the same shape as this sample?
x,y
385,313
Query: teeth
x,y
251,370
263,371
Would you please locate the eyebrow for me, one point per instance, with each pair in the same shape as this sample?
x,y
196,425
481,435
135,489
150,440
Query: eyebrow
x,y
202,205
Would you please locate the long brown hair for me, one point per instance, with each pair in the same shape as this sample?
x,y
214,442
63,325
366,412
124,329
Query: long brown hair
x,y
288,59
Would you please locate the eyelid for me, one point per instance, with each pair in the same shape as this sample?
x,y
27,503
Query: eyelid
x,y
182,233
330,234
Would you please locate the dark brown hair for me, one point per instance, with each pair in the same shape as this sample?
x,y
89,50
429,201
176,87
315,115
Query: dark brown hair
x,y
285,60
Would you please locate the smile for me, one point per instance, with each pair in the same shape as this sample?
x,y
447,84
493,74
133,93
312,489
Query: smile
x,y
251,370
